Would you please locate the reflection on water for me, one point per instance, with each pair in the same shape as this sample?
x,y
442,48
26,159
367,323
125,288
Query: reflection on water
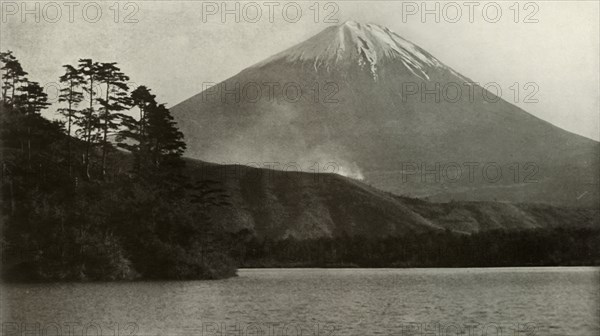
x,y
500,301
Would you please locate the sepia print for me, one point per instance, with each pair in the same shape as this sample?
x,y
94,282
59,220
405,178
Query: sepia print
x,y
305,168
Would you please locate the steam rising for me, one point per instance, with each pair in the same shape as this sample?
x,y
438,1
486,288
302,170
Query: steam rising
x,y
279,140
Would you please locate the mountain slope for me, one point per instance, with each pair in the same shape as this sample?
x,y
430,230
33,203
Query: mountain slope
x,y
275,204
357,95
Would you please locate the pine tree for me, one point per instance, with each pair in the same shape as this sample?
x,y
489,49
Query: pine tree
x,y
158,141
5,58
71,95
116,100
166,145
12,78
89,71
136,129
32,101
143,99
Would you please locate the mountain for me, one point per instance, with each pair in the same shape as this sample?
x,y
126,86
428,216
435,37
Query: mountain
x,y
364,98
277,205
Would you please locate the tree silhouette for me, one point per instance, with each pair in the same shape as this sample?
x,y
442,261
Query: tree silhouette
x,y
143,99
136,129
71,95
12,78
116,100
165,141
89,71
32,101
5,58
158,141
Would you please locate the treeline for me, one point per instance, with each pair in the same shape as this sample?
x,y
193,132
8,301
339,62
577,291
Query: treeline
x,y
100,194
535,247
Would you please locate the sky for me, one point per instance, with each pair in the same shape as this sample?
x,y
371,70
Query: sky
x,y
550,49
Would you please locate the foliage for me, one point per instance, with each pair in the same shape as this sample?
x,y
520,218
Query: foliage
x,y
496,248
72,95
102,220
157,141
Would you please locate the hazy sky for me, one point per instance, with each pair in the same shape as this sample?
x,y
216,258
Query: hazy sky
x,y
174,50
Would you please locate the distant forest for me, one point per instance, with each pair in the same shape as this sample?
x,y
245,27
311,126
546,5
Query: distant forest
x,y
495,248
102,194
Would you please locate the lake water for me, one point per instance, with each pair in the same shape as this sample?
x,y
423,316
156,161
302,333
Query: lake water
x,y
432,302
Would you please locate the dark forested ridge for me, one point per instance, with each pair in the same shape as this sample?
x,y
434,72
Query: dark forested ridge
x,y
277,205
105,194
294,219
496,248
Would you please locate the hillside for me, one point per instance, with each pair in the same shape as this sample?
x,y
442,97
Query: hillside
x,y
277,205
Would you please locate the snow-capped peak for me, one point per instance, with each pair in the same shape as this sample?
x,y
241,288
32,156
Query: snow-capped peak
x,y
367,44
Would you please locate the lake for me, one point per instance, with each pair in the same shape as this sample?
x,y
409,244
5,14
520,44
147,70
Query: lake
x,y
469,302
